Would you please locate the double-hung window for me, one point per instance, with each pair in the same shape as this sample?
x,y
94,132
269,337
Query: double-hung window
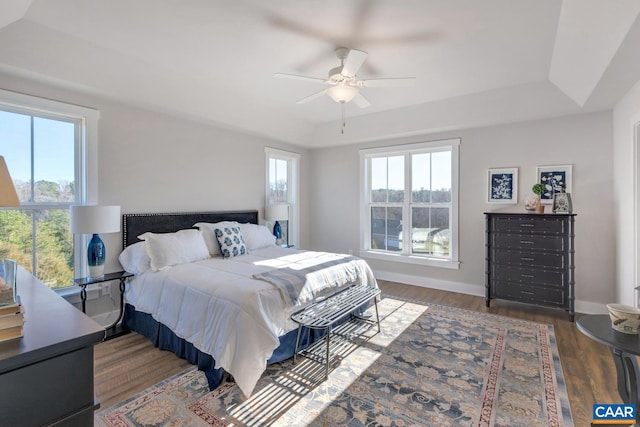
x,y
409,203
45,145
282,182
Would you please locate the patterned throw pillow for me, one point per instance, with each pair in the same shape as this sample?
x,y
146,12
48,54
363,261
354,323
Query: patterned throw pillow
x,y
231,242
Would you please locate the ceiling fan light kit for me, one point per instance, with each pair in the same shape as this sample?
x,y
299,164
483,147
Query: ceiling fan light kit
x,y
345,86
342,92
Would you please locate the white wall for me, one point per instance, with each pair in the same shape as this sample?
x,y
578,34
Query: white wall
x,y
585,141
151,162
155,163
625,115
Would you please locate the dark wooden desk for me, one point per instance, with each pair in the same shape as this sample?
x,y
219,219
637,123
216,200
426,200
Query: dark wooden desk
x,y
46,377
624,349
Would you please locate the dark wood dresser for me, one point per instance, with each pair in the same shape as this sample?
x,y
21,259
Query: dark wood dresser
x,y
46,377
530,259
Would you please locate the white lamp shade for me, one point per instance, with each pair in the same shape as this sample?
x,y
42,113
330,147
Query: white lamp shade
x,y
8,195
276,213
342,92
95,219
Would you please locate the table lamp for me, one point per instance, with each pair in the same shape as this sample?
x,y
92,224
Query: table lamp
x,y
277,213
94,220
8,195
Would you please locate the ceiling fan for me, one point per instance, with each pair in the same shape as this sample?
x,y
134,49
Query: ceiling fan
x,y
345,87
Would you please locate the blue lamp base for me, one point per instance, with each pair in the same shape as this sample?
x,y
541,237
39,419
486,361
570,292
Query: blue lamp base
x,y
277,230
96,255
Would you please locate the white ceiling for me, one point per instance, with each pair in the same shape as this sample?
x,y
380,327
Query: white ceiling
x,y
476,62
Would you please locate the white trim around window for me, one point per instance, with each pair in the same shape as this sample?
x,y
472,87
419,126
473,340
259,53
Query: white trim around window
x,y
88,154
394,247
293,188
86,151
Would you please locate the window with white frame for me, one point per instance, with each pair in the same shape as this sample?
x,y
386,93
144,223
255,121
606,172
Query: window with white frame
x,y
410,203
282,182
45,146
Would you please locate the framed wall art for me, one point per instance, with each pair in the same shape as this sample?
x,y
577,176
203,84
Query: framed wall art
x,y
556,179
502,185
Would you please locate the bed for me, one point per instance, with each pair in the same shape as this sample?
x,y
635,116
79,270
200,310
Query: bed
x,y
225,314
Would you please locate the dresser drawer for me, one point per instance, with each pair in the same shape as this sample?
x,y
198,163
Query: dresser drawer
x,y
528,259
528,241
527,293
529,224
527,275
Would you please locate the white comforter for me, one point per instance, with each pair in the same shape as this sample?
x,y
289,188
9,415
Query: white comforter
x,y
217,306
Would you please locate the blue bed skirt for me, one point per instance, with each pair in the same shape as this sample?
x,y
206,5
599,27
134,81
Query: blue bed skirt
x,y
163,338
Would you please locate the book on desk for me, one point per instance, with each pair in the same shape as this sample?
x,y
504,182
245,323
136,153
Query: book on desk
x,y
11,321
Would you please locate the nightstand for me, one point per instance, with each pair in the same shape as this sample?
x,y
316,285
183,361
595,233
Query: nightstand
x,y
122,276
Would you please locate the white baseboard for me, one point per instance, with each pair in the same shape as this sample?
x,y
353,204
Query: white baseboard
x,y
586,307
427,282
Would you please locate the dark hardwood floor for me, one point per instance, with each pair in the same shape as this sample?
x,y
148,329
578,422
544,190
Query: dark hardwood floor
x,y
127,365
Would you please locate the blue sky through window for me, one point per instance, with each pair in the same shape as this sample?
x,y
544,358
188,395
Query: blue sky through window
x,y
431,171
53,146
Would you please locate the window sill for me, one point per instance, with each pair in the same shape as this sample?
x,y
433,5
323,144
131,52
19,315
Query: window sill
x,y
411,259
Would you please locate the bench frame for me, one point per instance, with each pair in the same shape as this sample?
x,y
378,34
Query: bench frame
x,y
326,313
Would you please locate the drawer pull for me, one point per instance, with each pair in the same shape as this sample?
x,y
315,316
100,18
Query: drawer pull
x,y
526,242
524,258
528,276
527,225
526,292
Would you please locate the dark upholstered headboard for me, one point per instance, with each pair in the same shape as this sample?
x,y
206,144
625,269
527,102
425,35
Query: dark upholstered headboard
x,y
134,225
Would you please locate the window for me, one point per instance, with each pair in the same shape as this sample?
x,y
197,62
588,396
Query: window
x,y
282,188
410,203
44,144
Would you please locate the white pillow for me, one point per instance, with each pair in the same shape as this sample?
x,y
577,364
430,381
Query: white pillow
x,y
181,247
208,232
134,258
257,236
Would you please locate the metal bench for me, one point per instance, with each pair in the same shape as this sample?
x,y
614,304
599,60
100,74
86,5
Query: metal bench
x,y
326,313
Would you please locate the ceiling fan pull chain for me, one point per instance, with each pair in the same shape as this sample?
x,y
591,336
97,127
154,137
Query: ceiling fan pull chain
x,y
344,122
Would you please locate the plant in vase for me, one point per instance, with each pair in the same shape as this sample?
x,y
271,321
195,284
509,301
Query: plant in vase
x,y
538,189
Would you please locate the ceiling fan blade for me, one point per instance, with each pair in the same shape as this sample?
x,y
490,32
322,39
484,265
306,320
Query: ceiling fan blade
x,y
361,101
297,77
353,62
312,97
388,82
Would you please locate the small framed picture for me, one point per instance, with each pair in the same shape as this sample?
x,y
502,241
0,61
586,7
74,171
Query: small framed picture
x,y
502,185
562,203
556,179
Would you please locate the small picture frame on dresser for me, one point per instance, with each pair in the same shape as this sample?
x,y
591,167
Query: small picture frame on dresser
x,y
562,203
502,185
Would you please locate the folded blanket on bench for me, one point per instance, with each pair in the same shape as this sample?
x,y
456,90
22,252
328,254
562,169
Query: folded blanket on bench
x,y
316,273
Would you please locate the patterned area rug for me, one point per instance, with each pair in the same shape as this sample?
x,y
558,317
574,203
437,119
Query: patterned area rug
x,y
430,366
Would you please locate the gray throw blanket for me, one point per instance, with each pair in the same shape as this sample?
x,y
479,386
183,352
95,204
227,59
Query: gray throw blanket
x,y
299,286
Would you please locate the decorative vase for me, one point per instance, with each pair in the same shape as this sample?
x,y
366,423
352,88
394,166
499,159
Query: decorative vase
x,y
530,203
8,273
